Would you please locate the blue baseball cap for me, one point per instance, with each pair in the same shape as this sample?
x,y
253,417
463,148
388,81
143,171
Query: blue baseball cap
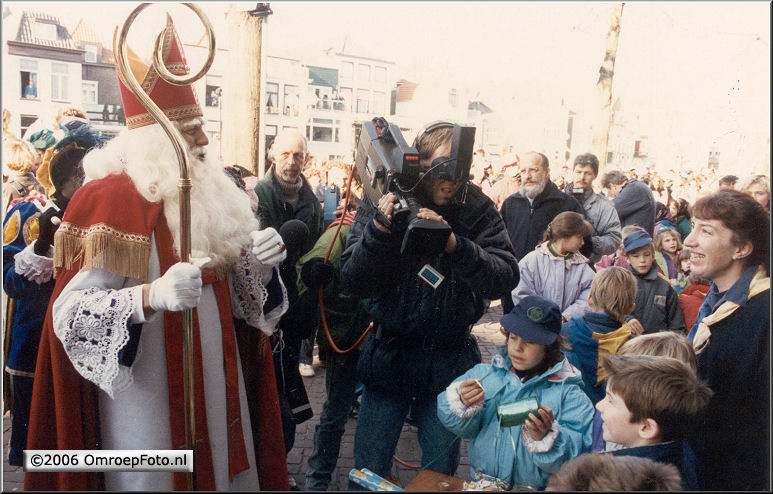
x,y
635,240
535,319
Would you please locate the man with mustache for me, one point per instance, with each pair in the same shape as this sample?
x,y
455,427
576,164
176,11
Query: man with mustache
x,y
109,370
284,194
528,212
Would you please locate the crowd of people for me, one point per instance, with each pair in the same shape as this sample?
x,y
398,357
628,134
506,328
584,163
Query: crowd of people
x,y
635,312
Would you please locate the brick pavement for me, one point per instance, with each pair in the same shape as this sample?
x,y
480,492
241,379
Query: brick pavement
x,y
487,332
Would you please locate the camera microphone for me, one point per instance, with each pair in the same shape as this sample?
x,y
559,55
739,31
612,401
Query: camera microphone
x,y
294,234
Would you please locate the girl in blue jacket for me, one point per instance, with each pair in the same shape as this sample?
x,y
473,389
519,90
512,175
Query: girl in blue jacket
x,y
530,365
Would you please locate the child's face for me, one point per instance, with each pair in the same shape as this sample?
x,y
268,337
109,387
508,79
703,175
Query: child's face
x,y
524,355
685,265
641,259
617,425
670,243
572,244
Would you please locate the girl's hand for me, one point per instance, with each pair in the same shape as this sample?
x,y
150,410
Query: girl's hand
x,y
538,427
471,392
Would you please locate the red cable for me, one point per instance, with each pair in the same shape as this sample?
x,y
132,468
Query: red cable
x,y
401,462
327,257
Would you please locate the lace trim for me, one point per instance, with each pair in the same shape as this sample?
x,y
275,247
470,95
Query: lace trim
x,y
93,331
248,295
32,266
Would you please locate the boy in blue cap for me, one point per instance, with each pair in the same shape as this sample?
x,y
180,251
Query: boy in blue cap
x,y
530,365
657,304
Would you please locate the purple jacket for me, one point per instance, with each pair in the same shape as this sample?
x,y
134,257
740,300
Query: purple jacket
x,y
564,281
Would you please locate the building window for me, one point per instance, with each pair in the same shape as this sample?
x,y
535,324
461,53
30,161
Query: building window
x,y
379,99
29,78
363,100
272,97
44,30
346,96
59,81
347,70
321,130
90,92
364,72
213,91
452,98
269,137
91,53
26,121
291,100
380,74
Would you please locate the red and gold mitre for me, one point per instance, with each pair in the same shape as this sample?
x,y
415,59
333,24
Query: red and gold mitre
x,y
177,102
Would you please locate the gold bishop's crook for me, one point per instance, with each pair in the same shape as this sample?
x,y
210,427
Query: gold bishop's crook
x,y
184,186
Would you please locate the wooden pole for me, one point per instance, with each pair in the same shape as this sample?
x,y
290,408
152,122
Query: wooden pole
x,y
242,89
603,118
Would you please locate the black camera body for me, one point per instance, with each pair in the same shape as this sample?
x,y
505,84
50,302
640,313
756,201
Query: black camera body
x,y
386,163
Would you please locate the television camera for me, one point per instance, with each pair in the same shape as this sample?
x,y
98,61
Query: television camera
x,y
386,163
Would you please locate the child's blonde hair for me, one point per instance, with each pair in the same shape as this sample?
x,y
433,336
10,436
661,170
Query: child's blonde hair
x,y
613,291
662,232
661,344
18,155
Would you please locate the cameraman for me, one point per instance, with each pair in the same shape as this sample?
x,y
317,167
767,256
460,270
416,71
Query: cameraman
x,y
422,335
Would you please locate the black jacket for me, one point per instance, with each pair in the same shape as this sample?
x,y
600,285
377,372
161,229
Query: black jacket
x,y
527,222
732,439
423,339
657,304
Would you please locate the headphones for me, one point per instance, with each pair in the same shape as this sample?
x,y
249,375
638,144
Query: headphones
x,y
437,124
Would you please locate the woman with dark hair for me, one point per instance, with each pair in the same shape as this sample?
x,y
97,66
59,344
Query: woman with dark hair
x,y
680,212
730,245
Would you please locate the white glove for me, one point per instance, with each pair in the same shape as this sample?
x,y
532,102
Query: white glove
x,y
268,247
179,288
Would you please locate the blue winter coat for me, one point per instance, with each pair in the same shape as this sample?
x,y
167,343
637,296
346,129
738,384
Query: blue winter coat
x,y
491,448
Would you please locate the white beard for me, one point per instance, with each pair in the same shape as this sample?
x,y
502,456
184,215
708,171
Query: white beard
x,y
534,191
221,217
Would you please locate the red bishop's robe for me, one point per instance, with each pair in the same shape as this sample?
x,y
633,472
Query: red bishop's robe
x,y
108,225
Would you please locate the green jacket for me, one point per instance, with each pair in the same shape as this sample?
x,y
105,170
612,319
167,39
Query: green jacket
x,y
274,210
346,318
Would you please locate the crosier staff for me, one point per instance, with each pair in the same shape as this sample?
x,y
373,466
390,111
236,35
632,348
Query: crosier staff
x,y
184,185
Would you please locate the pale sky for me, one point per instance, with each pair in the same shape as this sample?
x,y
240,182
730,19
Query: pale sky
x,y
698,65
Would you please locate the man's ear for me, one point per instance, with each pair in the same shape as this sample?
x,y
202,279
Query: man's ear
x,y
649,430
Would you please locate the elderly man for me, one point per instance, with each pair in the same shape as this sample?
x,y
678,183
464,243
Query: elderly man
x,y
601,213
528,212
284,194
109,370
632,199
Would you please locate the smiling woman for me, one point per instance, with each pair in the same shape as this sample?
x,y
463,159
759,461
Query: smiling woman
x,y
730,245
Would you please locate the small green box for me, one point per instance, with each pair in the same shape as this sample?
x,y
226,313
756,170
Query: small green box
x,y
516,412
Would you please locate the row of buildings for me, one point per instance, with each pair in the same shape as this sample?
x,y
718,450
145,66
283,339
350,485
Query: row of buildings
x,y
47,67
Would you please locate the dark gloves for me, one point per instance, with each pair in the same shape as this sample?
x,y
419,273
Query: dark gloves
x,y
47,230
316,273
